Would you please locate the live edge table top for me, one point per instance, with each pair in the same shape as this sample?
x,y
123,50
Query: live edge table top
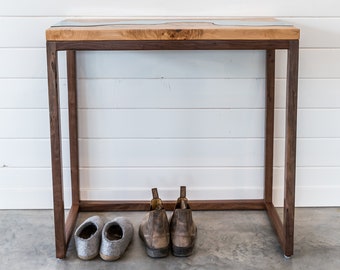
x,y
172,29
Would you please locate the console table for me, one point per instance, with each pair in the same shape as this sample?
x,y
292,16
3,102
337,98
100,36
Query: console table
x,y
220,34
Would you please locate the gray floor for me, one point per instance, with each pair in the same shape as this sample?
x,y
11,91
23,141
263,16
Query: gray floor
x,y
226,240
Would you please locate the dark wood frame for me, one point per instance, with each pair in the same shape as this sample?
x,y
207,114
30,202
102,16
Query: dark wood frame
x,y
284,229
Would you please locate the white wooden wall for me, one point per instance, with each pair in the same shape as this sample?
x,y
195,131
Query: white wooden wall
x,y
165,119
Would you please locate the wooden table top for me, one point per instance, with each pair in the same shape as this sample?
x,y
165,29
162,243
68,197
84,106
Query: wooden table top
x,y
172,29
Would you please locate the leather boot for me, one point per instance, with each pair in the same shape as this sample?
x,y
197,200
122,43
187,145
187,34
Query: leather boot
x,y
183,230
154,229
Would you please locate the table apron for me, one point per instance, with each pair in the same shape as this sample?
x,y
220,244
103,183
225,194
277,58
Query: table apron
x,y
173,45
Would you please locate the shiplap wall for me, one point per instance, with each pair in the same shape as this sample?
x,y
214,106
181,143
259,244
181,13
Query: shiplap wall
x,y
165,119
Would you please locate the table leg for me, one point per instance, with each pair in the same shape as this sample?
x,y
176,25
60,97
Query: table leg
x,y
290,147
73,140
73,124
56,149
269,148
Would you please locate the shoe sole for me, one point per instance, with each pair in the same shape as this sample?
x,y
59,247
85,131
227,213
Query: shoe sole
x,y
87,258
157,253
109,258
182,251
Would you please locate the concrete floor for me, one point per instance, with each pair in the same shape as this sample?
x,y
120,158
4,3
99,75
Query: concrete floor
x,y
226,240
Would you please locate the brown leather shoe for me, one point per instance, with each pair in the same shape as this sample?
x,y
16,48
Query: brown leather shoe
x,y
183,230
154,229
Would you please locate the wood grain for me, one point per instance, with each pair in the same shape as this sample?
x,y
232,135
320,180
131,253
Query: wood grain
x,y
172,31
